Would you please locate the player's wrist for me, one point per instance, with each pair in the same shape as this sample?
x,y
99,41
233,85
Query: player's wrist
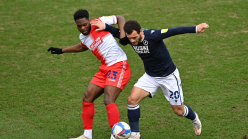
x,y
106,27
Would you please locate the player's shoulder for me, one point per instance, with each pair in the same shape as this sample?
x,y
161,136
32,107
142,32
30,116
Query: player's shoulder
x,y
108,19
151,33
82,36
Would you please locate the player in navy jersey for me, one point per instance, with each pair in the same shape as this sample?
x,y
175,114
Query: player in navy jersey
x,y
160,71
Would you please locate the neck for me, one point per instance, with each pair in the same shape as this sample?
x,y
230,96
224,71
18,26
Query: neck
x,y
142,36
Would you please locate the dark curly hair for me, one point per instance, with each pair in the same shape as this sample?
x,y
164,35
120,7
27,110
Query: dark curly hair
x,y
132,25
81,13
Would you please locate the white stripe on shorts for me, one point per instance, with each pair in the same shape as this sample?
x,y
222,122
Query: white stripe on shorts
x,y
122,74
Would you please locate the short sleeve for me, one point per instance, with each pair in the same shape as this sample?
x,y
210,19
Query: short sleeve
x,y
110,20
83,46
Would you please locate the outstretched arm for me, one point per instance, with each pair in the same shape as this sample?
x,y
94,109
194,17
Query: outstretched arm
x,y
166,33
75,48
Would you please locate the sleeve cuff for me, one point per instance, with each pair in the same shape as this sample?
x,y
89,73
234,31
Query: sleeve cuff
x,y
106,27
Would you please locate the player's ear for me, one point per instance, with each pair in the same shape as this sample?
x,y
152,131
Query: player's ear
x,y
141,31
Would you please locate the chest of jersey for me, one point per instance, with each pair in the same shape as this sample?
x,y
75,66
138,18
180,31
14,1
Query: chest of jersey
x,y
94,39
149,47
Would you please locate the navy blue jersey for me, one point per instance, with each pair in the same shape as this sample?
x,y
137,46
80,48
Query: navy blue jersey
x,y
152,50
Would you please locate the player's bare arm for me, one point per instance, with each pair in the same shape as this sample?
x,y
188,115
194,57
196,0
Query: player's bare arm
x,y
121,22
202,27
75,48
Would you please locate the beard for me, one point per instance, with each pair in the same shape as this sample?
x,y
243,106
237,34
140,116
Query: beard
x,y
88,31
139,39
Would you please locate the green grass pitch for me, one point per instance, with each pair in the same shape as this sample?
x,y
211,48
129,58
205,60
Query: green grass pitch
x,y
41,94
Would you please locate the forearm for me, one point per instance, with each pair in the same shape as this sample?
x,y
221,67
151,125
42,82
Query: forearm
x,y
75,48
121,22
166,33
182,30
114,31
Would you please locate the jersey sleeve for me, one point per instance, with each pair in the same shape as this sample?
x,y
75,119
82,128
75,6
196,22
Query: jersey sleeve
x,y
81,36
83,46
110,20
116,33
166,33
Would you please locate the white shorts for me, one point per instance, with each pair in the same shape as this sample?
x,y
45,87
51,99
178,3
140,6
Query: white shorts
x,y
170,85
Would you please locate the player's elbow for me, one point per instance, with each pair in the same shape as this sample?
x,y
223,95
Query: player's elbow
x,y
120,18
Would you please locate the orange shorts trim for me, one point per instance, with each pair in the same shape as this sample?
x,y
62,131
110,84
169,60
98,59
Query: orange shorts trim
x,y
115,75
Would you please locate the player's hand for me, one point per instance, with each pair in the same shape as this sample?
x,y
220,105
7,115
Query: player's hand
x,y
99,24
202,27
55,50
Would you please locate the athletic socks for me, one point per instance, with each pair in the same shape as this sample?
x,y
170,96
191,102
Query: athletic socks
x,y
88,115
113,114
133,117
88,133
189,113
89,112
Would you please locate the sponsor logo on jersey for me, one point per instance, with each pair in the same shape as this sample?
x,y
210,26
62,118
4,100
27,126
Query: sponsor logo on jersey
x,y
152,31
164,30
96,43
141,49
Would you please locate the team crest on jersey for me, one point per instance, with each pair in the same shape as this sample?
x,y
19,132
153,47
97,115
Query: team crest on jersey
x,y
145,42
164,30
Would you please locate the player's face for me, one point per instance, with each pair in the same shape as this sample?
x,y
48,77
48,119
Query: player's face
x,y
83,25
135,38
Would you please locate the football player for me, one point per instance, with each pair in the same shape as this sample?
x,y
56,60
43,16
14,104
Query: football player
x,y
160,71
113,75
